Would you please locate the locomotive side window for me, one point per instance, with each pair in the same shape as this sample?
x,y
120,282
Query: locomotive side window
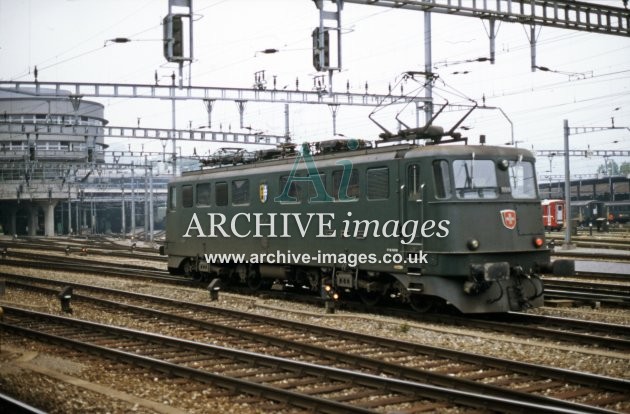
x,y
522,179
221,194
413,181
172,198
312,190
377,183
442,177
296,188
475,179
203,194
187,196
351,188
240,192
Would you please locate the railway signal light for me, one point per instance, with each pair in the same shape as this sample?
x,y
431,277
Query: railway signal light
x,y
330,296
31,152
65,296
174,38
321,49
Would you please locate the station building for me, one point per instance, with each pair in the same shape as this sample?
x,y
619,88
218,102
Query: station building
x,y
46,144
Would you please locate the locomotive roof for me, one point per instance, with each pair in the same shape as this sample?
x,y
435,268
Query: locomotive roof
x,y
467,150
361,156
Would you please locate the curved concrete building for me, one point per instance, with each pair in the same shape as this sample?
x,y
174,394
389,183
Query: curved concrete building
x,y
44,142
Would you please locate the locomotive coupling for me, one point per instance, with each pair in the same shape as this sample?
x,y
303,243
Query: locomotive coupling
x,y
482,276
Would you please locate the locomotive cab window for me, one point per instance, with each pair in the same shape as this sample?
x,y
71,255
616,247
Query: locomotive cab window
x,y
187,196
240,192
475,179
522,179
203,194
221,194
442,178
172,198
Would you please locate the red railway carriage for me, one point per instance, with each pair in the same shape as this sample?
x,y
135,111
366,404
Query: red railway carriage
x,y
553,214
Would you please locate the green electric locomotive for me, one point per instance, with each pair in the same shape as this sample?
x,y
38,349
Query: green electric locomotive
x,y
430,225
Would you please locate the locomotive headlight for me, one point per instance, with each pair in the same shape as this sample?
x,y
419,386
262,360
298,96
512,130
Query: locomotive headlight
x,y
538,242
473,244
503,164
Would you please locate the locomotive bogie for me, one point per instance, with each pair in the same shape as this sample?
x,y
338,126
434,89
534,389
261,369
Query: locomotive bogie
x,y
453,224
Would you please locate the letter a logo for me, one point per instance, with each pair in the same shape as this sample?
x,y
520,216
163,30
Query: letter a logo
x,y
508,217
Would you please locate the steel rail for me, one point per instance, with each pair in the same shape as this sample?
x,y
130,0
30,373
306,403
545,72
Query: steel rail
x,y
11,405
581,378
391,385
334,356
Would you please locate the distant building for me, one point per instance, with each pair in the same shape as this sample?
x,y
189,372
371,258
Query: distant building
x,y
44,141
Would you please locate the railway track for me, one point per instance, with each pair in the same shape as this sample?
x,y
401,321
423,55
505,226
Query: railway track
x,y
598,241
76,264
409,362
613,293
306,385
63,263
74,246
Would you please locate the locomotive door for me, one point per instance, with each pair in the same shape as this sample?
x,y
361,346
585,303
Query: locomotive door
x,y
412,205
559,214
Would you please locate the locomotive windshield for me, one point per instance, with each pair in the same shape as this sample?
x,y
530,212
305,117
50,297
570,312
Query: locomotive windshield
x,y
522,179
475,179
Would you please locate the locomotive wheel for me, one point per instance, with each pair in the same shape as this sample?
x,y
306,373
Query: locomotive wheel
x,y
370,298
188,268
420,303
255,282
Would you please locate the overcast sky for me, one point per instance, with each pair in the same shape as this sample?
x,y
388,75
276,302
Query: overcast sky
x,y
589,82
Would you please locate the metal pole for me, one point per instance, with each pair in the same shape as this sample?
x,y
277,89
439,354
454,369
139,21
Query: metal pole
x,y
174,126
122,209
78,229
150,202
174,140
133,205
492,37
69,212
94,226
428,91
532,45
567,188
550,161
287,129
146,201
